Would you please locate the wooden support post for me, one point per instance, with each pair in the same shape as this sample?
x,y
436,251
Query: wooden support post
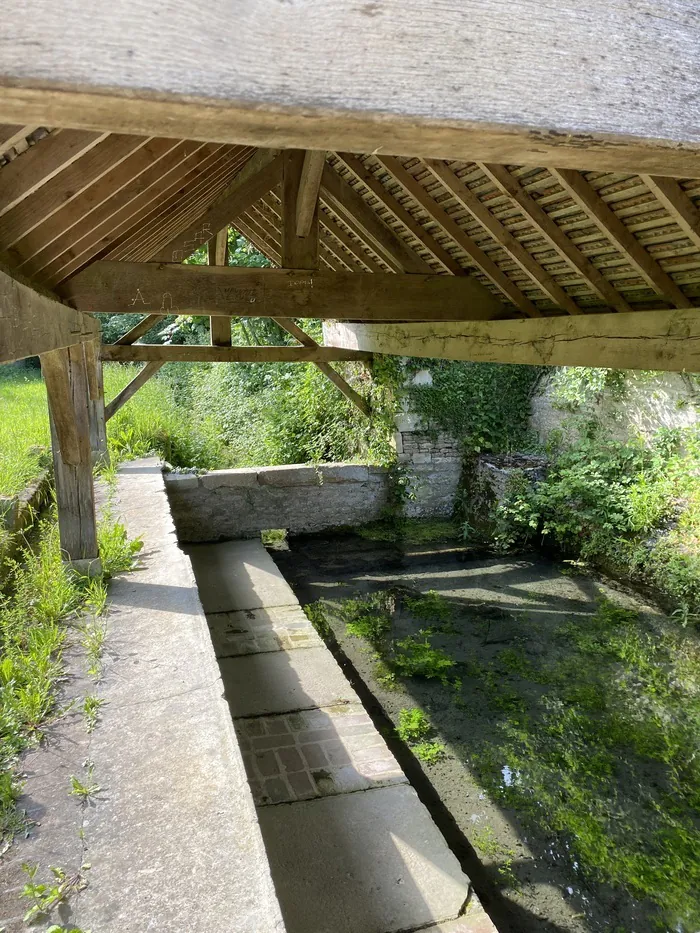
x,y
96,404
140,379
220,327
66,378
300,245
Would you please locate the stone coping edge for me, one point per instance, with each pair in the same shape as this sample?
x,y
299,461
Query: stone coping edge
x,y
291,475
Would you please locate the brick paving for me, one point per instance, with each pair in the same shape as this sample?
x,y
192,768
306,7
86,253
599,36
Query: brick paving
x,y
254,631
314,753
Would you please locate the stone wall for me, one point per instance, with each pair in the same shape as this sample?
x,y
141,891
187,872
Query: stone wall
x,y
434,465
228,504
649,402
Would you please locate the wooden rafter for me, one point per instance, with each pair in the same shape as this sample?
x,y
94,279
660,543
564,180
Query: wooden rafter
x,y
139,330
612,227
483,262
35,168
677,203
65,186
246,188
94,236
86,205
360,170
11,135
354,211
557,238
471,203
119,287
219,327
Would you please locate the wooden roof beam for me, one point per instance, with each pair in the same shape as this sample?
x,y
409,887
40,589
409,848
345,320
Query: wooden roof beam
x,y
261,173
419,85
556,237
615,230
474,206
677,203
480,259
353,210
32,322
237,290
10,135
667,340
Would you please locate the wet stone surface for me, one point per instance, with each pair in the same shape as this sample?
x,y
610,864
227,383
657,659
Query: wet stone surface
x,y
314,753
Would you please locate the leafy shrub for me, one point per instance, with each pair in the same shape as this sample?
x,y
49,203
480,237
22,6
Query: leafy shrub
x,y
369,617
413,725
429,752
416,657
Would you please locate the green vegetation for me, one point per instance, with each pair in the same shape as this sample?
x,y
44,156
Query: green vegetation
x,y
43,603
486,843
633,507
91,708
413,725
370,617
603,755
45,896
85,788
416,657
429,752
24,428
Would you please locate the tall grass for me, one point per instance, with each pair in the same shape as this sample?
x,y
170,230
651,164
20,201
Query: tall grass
x,y
24,427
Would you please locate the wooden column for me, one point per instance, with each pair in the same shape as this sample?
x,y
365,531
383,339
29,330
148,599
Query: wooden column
x,y
96,404
298,252
220,327
66,376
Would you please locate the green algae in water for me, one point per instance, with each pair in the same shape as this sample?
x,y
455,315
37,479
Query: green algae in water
x,y
608,760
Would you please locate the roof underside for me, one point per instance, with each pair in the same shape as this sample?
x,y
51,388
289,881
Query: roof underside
x,y
70,197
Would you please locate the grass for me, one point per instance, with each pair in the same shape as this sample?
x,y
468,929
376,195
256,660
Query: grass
x,y
24,428
42,603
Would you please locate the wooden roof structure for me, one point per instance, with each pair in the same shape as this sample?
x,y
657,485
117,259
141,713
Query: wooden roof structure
x,y
511,182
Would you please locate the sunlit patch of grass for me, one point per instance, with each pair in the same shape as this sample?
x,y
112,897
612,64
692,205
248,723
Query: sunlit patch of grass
x,y
24,427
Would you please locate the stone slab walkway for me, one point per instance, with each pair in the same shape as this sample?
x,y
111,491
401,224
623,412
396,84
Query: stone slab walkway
x,y
351,847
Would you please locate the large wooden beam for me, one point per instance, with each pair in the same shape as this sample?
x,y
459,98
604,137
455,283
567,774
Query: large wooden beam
x,y
145,352
32,323
677,203
260,174
309,187
667,340
611,86
299,250
66,378
235,290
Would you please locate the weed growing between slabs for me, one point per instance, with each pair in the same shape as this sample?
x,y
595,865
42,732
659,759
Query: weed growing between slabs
x,y
44,605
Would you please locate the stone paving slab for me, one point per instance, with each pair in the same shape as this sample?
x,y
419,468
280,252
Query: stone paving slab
x,y
315,753
253,631
283,682
238,575
371,862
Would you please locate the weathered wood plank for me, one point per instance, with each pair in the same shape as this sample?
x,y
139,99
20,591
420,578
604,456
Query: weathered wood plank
x,y
32,323
96,403
600,86
260,174
138,330
10,135
615,230
67,390
140,379
455,232
201,354
234,290
354,210
666,340
507,183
